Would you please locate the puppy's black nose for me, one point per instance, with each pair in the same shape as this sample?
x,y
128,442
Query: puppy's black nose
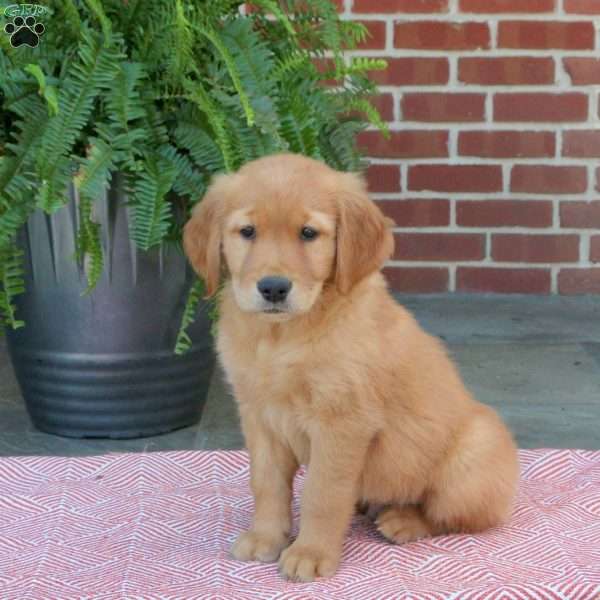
x,y
274,289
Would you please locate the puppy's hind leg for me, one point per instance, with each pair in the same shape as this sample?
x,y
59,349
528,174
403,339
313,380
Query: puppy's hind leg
x,y
470,491
403,524
474,487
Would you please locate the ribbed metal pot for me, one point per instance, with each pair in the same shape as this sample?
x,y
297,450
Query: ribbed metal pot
x,y
102,365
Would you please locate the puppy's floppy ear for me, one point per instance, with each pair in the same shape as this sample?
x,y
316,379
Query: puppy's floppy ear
x,y
203,232
364,238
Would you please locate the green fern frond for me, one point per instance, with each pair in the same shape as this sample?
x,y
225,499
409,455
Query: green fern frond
x,y
71,16
201,146
184,342
198,95
152,211
364,106
17,180
38,74
123,101
88,245
254,63
92,182
213,36
353,33
250,142
12,217
132,19
6,48
271,7
296,129
290,64
95,70
302,115
11,284
338,143
97,10
182,42
153,120
48,92
16,85
364,64
323,20
94,174
188,181
125,110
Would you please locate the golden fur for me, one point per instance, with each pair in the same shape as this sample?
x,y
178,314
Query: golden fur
x,y
344,380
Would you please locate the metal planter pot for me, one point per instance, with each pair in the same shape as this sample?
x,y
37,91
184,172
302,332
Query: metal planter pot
x,y
102,365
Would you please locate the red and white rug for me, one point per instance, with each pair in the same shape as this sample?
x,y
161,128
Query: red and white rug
x,y
160,525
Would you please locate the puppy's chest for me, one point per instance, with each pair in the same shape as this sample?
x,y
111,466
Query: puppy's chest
x,y
268,370
272,380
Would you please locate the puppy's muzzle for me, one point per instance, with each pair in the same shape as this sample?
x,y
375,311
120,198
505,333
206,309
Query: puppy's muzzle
x,y
274,289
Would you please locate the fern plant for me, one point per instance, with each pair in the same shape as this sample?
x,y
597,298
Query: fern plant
x,y
167,93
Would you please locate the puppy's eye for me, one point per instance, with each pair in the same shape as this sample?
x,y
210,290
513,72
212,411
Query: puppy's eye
x,y
248,232
308,233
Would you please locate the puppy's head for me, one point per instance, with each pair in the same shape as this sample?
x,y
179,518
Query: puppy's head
x,y
286,226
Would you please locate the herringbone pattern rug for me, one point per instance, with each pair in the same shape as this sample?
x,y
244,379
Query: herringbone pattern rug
x,y
160,525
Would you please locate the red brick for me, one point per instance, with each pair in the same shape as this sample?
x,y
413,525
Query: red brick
x,y
503,213
376,38
583,70
595,248
417,280
579,281
400,6
583,7
582,143
503,281
506,70
383,178
419,212
441,35
405,144
455,178
541,107
443,107
413,71
439,246
507,144
547,179
507,6
545,248
384,103
546,34
580,215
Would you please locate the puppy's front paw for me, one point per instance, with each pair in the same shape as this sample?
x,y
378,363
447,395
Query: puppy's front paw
x,y
306,563
251,545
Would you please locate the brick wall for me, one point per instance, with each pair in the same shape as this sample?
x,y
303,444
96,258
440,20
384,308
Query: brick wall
x,y
492,171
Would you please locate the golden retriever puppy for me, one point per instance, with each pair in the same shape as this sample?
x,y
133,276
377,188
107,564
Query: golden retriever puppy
x,y
329,371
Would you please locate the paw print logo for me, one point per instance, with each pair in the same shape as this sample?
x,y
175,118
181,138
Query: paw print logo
x,y
24,32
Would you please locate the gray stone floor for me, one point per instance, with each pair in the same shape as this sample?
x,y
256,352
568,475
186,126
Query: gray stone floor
x,y
536,359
